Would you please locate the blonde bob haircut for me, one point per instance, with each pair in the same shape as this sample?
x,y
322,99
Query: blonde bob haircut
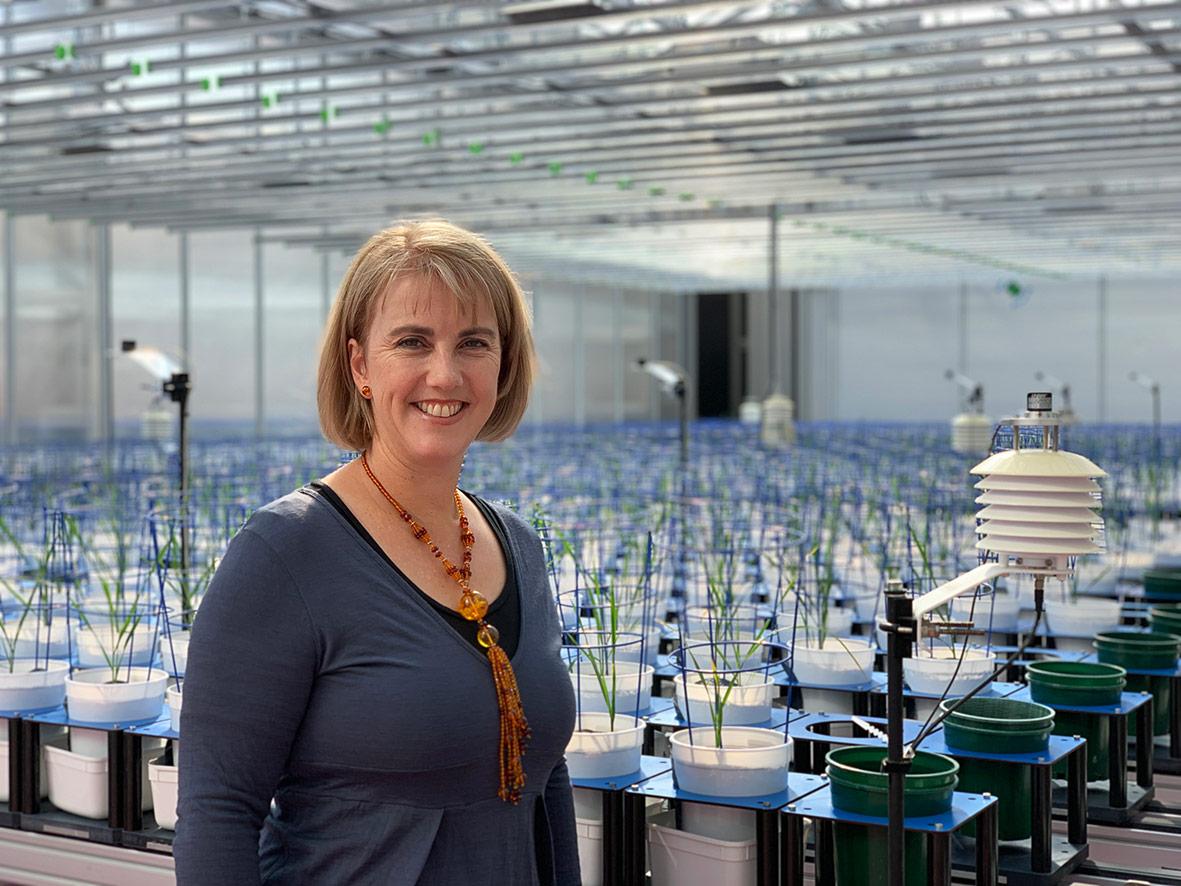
x,y
468,267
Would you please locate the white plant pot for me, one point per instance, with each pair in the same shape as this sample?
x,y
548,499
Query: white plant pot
x,y
134,648
839,662
746,703
750,763
840,622
39,641
596,750
1001,611
174,652
78,783
91,699
32,685
1083,617
930,673
868,602
163,782
172,698
631,684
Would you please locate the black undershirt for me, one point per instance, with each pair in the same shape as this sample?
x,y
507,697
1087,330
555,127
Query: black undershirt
x,y
504,613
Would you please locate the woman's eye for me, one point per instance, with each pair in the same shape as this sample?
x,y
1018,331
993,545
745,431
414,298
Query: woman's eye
x,y
475,343
409,343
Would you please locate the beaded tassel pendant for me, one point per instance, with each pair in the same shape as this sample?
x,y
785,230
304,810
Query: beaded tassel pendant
x,y
473,606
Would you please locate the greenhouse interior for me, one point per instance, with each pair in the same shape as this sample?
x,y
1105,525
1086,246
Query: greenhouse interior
x,y
596,442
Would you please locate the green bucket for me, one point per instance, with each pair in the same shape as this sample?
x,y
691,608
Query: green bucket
x,y
1138,650
859,786
1079,684
999,726
1151,650
1166,618
1163,584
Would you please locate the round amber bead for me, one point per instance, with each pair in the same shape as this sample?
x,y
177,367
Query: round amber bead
x,y
473,606
487,636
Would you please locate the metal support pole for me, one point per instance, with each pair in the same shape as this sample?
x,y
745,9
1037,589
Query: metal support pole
x,y
106,353
259,339
1101,354
899,619
16,772
115,787
791,850
635,824
766,847
131,762
1117,760
1076,796
986,848
939,859
1144,745
613,839
774,376
185,307
823,854
962,357
1175,717
10,388
1042,836
29,764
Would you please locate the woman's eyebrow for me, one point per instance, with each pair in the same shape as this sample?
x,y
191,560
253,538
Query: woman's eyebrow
x,y
410,330
478,330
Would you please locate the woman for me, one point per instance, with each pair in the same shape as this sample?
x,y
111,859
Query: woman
x,y
378,648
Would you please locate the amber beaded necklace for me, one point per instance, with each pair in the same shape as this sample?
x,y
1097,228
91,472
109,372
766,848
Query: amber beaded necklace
x,y
514,728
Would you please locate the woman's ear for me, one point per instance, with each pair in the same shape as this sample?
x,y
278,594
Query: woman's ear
x,y
357,363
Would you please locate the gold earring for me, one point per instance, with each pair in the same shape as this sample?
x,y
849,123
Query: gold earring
x,y
366,391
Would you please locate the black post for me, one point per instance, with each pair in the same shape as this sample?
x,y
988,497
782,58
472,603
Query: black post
x,y
634,823
116,787
1117,760
1076,796
986,848
613,839
131,761
1144,745
29,764
16,774
823,855
899,619
939,859
791,850
1042,836
178,388
767,847
1175,717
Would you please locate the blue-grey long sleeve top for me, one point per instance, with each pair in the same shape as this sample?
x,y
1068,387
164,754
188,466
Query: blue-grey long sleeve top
x,y
319,677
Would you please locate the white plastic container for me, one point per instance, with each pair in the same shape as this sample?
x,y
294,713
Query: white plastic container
x,y
32,685
631,684
746,703
683,859
1074,623
78,783
718,822
750,763
5,786
590,850
163,782
930,673
88,742
92,699
172,698
839,662
40,641
595,752
94,645
174,651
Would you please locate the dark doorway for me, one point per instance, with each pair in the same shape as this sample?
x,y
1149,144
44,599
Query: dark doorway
x,y
721,353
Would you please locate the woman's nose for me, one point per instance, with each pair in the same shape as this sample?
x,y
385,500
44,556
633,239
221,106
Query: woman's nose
x,y
443,371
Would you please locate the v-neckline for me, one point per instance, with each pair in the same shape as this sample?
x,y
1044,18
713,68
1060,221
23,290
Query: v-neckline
x,y
415,593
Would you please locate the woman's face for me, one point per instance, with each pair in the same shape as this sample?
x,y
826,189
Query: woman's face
x,y
433,367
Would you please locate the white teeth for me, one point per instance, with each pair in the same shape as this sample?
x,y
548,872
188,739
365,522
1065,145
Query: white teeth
x,y
440,410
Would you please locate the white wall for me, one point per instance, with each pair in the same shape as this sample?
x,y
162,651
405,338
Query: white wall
x,y
893,346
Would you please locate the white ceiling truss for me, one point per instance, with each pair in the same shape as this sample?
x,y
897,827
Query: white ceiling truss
x,y
1036,137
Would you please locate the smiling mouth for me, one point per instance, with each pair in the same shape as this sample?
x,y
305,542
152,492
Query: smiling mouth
x,y
440,409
